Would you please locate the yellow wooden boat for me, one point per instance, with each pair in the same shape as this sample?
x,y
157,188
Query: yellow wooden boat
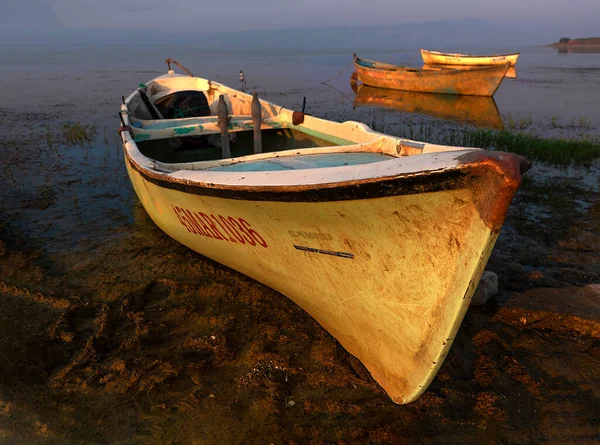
x,y
439,58
480,81
476,110
510,74
381,239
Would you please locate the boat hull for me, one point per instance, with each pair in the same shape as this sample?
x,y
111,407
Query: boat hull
x,y
388,268
439,58
483,81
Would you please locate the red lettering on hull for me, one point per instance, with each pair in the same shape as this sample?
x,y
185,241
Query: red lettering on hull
x,y
220,227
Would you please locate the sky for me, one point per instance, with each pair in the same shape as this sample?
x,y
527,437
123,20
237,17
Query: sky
x,y
568,16
299,24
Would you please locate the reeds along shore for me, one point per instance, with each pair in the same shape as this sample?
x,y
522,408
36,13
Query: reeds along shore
x,y
554,151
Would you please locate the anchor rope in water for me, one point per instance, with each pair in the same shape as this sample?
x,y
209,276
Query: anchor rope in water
x,y
329,80
343,95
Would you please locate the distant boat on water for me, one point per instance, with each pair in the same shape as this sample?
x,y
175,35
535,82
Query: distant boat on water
x,y
480,81
439,58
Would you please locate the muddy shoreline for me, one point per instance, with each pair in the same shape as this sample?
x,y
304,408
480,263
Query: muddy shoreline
x,y
112,332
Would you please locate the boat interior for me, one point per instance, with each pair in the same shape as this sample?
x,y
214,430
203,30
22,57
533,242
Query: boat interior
x,y
173,125
174,121
383,66
208,148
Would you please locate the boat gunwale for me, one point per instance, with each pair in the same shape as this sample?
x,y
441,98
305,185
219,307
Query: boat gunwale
x,y
414,183
470,165
469,55
170,175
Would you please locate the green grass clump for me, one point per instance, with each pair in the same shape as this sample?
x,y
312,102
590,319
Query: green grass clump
x,y
78,134
553,151
549,150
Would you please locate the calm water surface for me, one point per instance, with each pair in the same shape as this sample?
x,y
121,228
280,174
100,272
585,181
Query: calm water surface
x,y
87,189
87,83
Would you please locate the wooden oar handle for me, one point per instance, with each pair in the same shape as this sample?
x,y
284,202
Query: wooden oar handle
x,y
170,61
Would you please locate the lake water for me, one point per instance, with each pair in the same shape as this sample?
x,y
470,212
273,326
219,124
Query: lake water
x,y
553,95
553,90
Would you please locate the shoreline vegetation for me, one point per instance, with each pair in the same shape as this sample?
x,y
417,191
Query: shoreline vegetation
x,y
566,42
556,151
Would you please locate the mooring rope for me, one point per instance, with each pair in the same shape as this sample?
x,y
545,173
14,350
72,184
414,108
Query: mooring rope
x,y
343,95
329,80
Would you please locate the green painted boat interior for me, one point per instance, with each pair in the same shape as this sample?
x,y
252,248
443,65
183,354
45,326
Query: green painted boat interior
x,y
241,143
168,124
303,162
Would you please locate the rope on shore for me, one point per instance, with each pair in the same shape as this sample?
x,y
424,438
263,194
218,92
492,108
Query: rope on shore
x,y
329,80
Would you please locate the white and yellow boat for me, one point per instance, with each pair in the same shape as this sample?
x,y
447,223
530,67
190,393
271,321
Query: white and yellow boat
x,y
381,239
440,58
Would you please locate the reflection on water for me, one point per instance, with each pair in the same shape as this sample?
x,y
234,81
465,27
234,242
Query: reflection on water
x,y
510,74
592,49
480,111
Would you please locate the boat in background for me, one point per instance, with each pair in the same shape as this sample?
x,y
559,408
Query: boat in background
x,y
381,239
510,74
480,81
439,58
474,110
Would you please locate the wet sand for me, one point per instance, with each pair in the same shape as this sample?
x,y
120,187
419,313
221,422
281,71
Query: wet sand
x,y
112,332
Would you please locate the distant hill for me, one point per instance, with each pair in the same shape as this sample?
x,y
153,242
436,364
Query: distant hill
x,y
452,35
444,35
567,42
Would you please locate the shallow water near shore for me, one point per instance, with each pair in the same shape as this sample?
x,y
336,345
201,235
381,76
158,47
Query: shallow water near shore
x,y
114,333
